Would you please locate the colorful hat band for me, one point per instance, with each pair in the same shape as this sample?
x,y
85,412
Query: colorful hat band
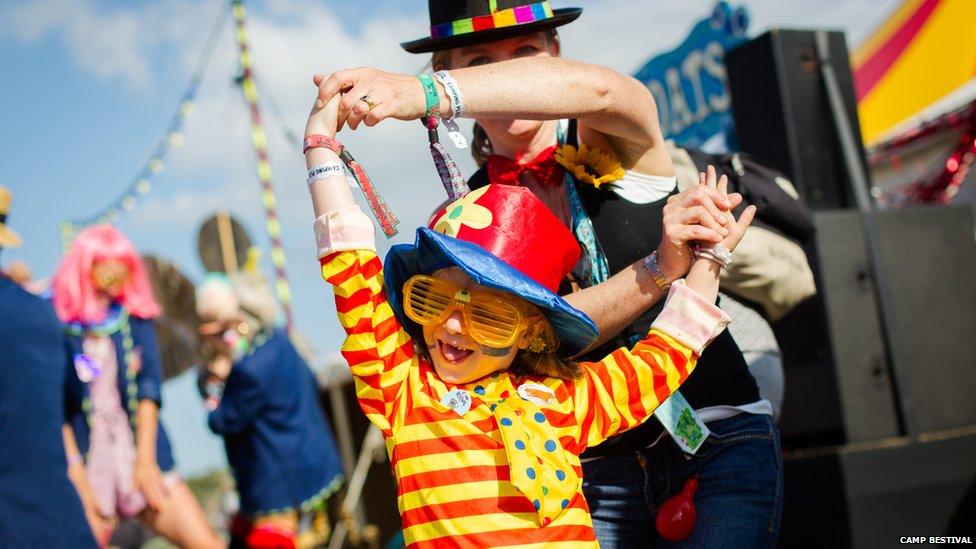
x,y
510,17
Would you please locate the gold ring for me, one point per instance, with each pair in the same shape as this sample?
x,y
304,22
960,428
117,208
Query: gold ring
x,y
368,101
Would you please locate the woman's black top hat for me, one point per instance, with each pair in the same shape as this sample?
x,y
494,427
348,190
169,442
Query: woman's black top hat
x,y
457,23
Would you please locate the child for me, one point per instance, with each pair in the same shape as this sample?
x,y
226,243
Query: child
x,y
119,455
462,361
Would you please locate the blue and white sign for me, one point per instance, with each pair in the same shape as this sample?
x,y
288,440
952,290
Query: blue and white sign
x,y
689,82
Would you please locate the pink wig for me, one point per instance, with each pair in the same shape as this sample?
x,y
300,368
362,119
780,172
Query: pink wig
x,y
73,289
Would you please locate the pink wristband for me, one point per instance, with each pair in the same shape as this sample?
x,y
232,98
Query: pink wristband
x,y
316,141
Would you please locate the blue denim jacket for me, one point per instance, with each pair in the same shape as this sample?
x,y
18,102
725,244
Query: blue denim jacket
x,y
147,381
38,505
278,443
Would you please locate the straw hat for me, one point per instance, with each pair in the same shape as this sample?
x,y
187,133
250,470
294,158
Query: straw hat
x,y
8,238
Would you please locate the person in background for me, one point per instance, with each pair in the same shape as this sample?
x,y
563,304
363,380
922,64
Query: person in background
x,y
262,399
102,295
587,141
38,505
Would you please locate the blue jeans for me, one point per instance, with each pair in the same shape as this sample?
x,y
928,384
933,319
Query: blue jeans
x,y
740,488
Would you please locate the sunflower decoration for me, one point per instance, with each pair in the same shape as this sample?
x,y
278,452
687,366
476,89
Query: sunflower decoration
x,y
589,165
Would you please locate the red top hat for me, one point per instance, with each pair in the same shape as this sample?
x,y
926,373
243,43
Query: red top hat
x,y
505,238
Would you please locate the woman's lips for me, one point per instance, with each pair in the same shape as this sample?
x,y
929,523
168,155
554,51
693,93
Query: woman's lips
x,y
452,353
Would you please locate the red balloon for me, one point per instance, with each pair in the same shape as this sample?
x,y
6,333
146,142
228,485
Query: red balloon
x,y
676,517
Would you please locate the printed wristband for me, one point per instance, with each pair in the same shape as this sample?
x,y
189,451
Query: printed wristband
x,y
430,93
453,93
322,171
316,141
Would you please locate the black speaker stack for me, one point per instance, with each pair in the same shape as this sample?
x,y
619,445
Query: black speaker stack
x,y
879,419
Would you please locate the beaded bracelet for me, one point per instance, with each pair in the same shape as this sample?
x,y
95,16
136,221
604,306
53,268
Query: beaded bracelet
x,y
650,263
718,254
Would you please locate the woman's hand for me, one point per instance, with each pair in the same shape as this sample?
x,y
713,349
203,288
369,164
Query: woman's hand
x,y
148,479
697,214
393,95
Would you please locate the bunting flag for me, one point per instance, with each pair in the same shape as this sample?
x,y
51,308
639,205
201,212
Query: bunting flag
x,y
259,141
923,53
172,138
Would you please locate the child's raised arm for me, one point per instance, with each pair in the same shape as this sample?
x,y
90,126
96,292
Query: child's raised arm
x,y
623,390
704,273
378,350
330,193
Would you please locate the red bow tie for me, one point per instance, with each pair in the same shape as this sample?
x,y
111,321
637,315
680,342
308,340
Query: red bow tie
x,y
544,167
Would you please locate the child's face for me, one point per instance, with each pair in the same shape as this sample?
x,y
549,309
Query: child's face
x,y
457,357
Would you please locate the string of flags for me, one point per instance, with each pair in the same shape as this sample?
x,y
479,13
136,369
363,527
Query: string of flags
x,y
142,183
259,142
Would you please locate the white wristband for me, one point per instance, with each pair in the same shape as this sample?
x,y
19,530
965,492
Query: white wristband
x,y
322,171
453,93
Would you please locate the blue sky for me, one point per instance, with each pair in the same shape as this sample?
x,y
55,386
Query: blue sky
x,y
89,87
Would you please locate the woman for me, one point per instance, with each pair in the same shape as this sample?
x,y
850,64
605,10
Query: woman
x,y
262,399
118,453
506,73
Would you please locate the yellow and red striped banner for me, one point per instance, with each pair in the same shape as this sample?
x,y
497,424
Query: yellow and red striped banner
x,y
923,52
259,141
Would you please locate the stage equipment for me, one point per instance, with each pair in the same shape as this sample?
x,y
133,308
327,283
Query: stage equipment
x,y
873,494
782,111
927,258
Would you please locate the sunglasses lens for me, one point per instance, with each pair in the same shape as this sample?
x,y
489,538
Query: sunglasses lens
x,y
493,322
490,321
426,300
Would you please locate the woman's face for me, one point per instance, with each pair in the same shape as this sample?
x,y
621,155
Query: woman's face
x,y
456,357
109,277
533,45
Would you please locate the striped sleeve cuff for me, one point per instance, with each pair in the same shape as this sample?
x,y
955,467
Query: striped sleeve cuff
x,y
344,229
690,319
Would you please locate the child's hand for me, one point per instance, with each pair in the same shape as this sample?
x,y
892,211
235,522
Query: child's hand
x,y
736,228
323,120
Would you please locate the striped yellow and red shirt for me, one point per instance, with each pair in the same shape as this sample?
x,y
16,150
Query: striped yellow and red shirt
x,y
506,471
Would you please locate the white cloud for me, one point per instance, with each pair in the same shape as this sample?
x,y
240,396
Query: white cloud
x,y
110,43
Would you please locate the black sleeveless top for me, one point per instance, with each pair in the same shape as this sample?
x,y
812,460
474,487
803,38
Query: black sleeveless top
x,y
627,232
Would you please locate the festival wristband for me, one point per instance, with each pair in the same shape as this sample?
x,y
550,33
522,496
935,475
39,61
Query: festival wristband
x,y
453,93
430,92
384,215
316,141
321,171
